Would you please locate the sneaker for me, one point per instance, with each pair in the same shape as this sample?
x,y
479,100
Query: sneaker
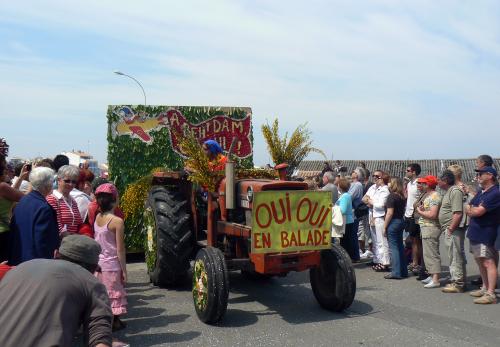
x,y
486,299
361,253
432,284
452,288
478,293
368,254
427,280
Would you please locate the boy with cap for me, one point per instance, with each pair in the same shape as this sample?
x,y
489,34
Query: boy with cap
x,y
484,210
44,301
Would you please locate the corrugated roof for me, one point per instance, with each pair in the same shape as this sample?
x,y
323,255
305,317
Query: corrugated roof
x,y
398,167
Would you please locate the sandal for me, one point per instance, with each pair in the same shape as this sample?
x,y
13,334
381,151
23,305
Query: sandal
x,y
381,268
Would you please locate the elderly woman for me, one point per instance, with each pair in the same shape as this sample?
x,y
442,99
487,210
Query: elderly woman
x,y
428,209
34,226
69,219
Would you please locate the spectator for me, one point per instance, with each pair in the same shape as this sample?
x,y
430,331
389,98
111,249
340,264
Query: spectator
x,y
81,193
329,184
21,183
411,226
429,228
484,160
44,302
8,196
348,241
484,213
34,224
393,229
450,216
109,234
68,216
326,168
94,207
59,161
364,237
47,162
356,192
376,199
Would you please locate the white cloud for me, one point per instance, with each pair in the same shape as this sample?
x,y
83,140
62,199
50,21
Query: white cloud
x,y
341,66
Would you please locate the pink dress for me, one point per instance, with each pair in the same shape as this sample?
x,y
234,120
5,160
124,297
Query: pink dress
x,y
111,275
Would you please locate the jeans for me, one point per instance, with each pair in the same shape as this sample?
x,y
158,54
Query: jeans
x,y
395,238
350,241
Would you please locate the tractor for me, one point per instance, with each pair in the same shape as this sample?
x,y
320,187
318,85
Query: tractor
x,y
261,227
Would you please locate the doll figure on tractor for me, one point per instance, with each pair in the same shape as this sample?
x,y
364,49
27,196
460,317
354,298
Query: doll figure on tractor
x,y
262,227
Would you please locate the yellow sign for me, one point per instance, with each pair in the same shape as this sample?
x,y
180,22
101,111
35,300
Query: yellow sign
x,y
289,221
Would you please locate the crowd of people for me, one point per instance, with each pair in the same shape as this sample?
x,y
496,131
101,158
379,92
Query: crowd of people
x,y
59,222
61,242
399,223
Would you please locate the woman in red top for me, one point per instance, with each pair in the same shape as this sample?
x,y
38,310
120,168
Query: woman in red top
x,y
68,216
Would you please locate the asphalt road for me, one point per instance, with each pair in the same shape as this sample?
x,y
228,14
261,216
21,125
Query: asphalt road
x,y
284,312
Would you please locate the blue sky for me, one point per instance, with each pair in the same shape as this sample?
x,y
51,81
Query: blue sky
x,y
373,79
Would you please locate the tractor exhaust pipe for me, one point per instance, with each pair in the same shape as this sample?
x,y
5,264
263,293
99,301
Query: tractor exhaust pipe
x,y
230,177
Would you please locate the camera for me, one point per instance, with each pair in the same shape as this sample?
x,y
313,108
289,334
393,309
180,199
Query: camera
x,y
28,167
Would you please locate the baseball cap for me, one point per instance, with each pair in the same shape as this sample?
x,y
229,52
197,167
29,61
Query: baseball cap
x,y
430,180
488,169
107,188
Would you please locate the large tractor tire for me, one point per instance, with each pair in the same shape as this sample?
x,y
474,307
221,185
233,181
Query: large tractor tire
x,y
334,281
170,238
210,285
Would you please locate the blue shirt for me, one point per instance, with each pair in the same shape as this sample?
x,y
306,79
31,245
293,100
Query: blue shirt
x,y
484,229
345,203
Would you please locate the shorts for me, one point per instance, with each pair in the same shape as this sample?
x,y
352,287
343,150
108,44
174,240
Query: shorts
x,y
412,228
480,250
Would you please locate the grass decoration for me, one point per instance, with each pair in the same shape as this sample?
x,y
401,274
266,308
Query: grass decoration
x,y
291,151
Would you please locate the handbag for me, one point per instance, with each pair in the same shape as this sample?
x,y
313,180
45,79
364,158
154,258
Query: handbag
x,y
338,222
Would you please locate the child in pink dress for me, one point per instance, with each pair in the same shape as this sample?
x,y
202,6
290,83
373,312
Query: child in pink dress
x,y
109,234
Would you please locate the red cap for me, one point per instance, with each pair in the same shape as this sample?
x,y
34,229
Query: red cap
x,y
430,180
107,188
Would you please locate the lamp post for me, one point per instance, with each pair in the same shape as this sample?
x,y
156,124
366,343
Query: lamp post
x,y
136,81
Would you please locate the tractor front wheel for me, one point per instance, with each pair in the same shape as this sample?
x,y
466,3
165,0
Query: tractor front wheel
x,y
334,282
210,285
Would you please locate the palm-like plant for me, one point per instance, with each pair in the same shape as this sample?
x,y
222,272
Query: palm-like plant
x,y
291,151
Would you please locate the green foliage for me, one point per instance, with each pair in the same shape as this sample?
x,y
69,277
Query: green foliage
x,y
130,159
291,151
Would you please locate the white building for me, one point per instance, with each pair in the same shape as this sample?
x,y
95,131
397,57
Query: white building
x,y
78,158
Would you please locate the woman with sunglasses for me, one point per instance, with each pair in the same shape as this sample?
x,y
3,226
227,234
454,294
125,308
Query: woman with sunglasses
x,y
69,219
428,209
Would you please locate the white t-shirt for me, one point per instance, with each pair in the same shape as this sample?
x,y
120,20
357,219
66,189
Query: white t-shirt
x,y
25,185
413,195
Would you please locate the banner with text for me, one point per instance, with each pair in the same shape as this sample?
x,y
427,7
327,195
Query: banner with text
x,y
289,221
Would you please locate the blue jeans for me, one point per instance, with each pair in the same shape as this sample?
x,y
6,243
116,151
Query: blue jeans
x,y
395,239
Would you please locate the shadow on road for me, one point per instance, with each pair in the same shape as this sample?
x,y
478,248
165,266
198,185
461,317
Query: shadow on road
x,y
288,297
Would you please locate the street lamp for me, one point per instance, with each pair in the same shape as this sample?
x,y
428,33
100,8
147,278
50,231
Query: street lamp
x,y
136,81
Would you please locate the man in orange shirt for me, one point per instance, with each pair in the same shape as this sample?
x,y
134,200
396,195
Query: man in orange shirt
x,y
214,152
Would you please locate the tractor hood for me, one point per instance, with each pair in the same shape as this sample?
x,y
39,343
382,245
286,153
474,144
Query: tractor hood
x,y
245,189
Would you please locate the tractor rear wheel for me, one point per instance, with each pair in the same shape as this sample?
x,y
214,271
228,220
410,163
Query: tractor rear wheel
x,y
334,281
210,285
170,243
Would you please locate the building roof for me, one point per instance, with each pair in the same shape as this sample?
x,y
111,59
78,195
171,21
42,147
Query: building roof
x,y
396,167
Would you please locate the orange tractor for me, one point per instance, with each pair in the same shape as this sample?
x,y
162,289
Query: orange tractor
x,y
262,227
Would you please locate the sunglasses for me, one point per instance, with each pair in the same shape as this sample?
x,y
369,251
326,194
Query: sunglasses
x,y
70,181
377,177
409,170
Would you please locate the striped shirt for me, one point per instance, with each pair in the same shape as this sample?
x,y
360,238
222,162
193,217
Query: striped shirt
x,y
68,216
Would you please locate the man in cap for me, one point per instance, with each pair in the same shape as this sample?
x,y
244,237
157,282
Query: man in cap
x,y
484,210
43,302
